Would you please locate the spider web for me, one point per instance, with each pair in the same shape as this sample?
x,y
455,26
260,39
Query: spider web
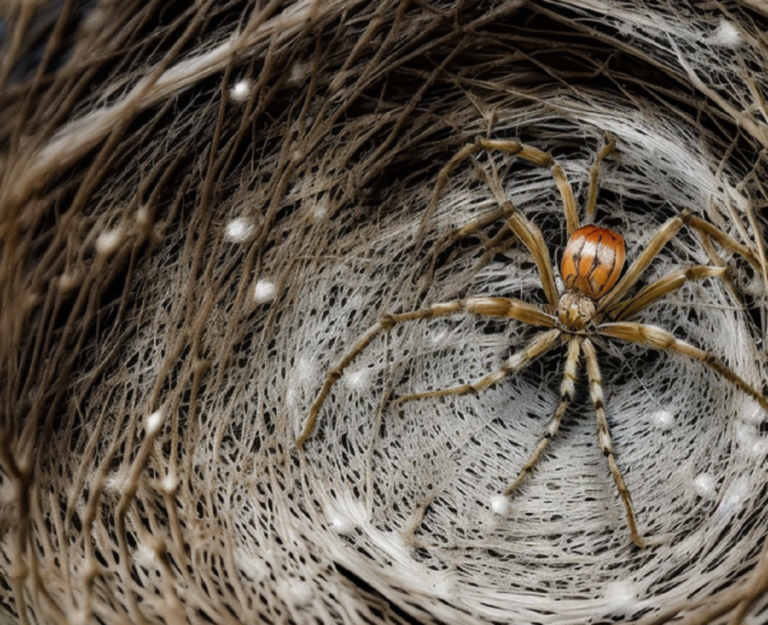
x,y
201,217
424,478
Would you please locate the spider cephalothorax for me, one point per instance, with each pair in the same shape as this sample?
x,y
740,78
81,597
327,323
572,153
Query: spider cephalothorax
x,y
575,312
591,266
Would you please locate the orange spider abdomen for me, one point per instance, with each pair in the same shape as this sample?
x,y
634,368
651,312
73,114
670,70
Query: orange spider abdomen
x,y
592,261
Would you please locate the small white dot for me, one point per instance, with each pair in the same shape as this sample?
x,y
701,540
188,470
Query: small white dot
x,y
91,569
704,484
145,555
154,421
755,286
299,72
305,368
443,585
238,230
358,379
296,591
264,292
500,504
11,493
109,241
302,592
117,481
143,217
68,282
339,523
439,337
726,35
620,594
735,494
251,565
758,449
291,398
241,90
81,617
169,484
753,412
750,440
320,209
357,302
626,28
662,419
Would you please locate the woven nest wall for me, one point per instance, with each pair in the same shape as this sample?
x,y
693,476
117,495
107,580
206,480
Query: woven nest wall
x,y
204,206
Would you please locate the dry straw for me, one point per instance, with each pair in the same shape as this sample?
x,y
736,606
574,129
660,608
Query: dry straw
x,y
204,205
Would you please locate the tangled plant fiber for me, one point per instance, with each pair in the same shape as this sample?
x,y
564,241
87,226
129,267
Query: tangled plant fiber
x,y
204,205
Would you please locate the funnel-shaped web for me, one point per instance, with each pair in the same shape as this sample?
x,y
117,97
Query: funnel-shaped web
x,y
418,486
203,208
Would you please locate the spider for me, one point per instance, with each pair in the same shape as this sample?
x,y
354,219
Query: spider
x,y
593,303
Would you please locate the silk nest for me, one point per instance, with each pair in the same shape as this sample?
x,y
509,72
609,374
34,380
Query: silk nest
x,y
204,206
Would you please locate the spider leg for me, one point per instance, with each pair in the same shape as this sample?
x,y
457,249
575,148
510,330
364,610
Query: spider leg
x,y
661,339
526,152
540,159
500,243
658,289
665,234
537,346
530,235
442,177
486,306
594,173
708,231
567,390
520,226
604,437
727,278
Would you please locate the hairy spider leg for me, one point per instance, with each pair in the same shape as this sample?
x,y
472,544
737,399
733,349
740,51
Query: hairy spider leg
x,y
520,226
567,391
484,306
661,287
653,336
538,345
604,437
663,235
530,235
541,159
594,175
666,232
707,231
514,148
